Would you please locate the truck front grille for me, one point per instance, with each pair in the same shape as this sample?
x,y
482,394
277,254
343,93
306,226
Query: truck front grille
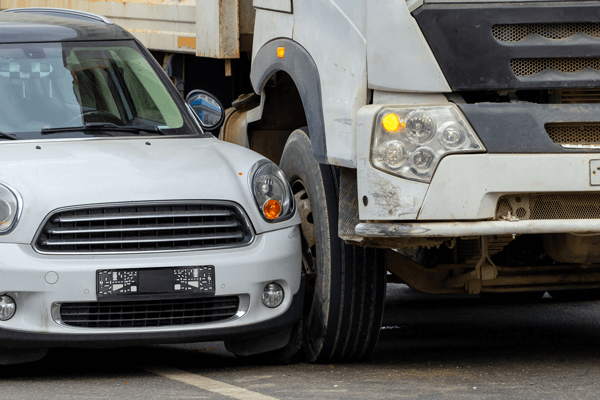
x,y
536,206
577,96
554,31
574,134
134,314
145,227
531,66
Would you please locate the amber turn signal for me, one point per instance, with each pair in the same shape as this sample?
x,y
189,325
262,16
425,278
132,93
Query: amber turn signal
x,y
280,52
272,209
392,123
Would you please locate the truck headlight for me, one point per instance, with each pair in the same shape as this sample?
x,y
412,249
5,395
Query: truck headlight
x,y
10,208
271,191
410,142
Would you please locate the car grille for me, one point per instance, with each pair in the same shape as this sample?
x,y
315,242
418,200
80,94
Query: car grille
x,y
132,314
141,228
535,206
518,32
574,134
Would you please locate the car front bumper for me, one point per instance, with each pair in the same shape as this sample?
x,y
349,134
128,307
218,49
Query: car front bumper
x,y
271,257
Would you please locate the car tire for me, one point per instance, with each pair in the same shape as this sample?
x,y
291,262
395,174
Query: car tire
x,y
346,291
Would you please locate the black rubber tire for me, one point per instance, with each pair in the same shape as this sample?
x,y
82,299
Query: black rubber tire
x,y
344,304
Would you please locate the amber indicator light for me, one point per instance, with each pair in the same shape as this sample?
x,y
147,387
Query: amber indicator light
x,y
280,52
272,209
392,123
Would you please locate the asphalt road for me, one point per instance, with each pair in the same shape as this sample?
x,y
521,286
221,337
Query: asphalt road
x,y
432,347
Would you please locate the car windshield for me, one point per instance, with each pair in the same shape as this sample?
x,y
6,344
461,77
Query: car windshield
x,y
49,86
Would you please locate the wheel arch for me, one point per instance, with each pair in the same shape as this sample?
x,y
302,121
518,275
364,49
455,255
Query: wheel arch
x,y
303,71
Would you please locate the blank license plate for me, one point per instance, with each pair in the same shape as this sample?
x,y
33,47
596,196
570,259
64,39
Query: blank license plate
x,y
147,281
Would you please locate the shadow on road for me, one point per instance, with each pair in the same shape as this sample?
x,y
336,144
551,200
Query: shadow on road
x,y
419,330
471,329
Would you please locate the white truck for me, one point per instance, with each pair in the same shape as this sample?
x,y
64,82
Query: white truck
x,y
453,146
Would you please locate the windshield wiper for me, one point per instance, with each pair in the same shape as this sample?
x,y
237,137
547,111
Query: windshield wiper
x,y
102,126
9,137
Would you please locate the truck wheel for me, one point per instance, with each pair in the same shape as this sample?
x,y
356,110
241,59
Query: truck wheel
x,y
346,290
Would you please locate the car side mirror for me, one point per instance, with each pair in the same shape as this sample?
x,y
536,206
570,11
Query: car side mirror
x,y
207,108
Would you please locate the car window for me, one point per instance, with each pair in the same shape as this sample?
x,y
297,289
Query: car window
x,y
55,85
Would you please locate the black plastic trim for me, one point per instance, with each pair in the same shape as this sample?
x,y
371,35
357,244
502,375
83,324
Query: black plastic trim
x,y
279,11
519,127
460,36
30,27
13,338
301,67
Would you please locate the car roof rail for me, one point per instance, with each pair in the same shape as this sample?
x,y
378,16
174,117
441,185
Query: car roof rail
x,y
62,12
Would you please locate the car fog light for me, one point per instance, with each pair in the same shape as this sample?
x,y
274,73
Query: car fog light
x,y
272,295
7,308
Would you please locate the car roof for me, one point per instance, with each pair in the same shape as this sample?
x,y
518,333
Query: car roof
x,y
44,26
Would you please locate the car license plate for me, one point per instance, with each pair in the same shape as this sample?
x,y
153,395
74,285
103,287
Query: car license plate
x,y
159,282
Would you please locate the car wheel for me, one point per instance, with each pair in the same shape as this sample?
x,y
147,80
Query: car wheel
x,y
345,291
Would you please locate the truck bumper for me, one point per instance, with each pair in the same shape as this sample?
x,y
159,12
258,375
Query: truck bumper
x,y
468,187
476,228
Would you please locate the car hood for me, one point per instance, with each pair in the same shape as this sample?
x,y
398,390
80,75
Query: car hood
x,y
52,174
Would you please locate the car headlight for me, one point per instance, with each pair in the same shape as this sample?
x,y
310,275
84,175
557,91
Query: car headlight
x,y
271,191
410,142
10,207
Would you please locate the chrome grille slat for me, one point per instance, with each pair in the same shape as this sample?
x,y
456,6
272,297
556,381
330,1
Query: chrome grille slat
x,y
207,225
145,318
140,313
133,313
113,217
235,235
145,227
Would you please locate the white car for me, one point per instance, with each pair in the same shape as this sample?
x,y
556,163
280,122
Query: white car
x,y
121,221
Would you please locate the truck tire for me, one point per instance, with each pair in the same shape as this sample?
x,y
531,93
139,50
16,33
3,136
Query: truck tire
x,y
346,291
